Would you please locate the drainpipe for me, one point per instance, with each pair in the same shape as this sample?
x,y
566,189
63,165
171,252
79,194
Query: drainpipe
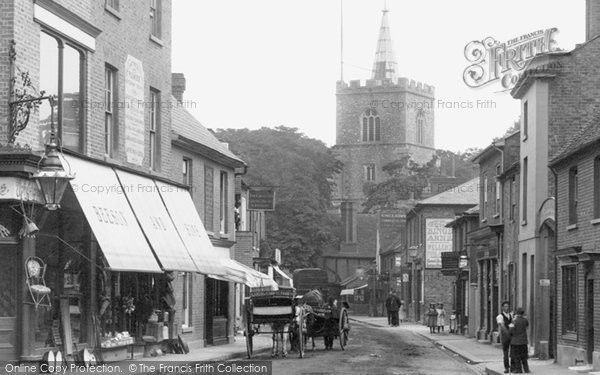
x,y
554,335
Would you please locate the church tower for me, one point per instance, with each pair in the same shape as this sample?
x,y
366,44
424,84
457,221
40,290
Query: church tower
x,y
378,121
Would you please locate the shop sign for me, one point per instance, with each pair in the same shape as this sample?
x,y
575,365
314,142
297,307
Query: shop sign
x,y
438,239
404,277
16,188
134,108
261,199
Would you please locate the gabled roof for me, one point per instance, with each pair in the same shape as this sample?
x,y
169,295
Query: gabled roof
x,y
184,125
465,194
585,137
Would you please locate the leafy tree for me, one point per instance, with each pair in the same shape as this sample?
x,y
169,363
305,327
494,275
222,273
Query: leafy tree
x,y
409,181
301,170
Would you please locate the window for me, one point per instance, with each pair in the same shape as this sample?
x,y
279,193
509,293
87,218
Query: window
x,y
224,202
498,190
513,201
370,172
156,18
110,115
114,4
420,129
524,192
371,126
485,197
525,120
347,225
569,299
209,200
154,129
187,300
573,198
186,169
597,187
61,69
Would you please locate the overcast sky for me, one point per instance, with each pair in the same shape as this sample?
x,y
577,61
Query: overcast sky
x,y
254,63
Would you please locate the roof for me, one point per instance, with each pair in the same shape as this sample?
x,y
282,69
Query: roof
x,y
384,66
465,194
585,137
186,125
473,211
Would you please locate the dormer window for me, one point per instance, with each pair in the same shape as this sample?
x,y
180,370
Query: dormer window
x,y
371,127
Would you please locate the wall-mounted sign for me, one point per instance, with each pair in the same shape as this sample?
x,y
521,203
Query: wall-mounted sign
x,y
261,199
278,256
438,239
20,189
134,110
404,277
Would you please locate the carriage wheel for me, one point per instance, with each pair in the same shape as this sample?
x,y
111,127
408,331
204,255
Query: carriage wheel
x,y
344,328
249,332
301,335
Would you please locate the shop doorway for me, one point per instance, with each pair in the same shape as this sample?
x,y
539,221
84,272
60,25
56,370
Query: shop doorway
x,y
589,321
8,301
217,300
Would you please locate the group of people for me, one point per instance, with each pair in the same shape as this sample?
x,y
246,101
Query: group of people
x,y
395,310
513,335
436,318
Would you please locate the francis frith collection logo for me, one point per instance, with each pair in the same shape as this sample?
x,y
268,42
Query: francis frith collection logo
x,y
493,61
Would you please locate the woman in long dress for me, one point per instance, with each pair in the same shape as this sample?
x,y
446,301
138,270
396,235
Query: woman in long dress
x,y
402,312
431,318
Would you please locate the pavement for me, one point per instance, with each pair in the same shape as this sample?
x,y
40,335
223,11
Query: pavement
x,y
483,357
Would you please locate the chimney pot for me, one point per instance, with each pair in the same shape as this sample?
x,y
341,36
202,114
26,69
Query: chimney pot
x,y
178,86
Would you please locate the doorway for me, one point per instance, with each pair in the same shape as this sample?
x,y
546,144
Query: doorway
x,y
8,301
589,319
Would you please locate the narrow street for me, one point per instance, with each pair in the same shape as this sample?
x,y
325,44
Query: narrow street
x,y
373,350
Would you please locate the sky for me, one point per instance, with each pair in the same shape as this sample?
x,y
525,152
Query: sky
x,y
250,64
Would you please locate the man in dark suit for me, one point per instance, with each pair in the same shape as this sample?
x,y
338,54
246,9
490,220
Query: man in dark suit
x,y
504,319
518,342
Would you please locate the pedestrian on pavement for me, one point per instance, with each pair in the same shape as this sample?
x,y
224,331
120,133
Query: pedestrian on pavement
x,y
518,342
393,308
402,312
441,317
432,318
388,302
504,319
453,322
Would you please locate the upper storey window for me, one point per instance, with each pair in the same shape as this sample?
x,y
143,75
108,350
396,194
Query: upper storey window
x,y
371,126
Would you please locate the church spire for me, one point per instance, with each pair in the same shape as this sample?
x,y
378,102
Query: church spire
x,y
384,66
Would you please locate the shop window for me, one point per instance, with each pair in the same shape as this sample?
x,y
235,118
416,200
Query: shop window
x,y
187,300
61,72
569,299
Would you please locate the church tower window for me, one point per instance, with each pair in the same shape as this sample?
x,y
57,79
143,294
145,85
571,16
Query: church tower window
x,y
420,128
371,126
370,172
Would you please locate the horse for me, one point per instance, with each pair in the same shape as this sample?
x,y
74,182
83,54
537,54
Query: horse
x,y
281,331
315,299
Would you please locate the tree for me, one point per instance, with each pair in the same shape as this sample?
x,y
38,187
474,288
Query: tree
x,y
301,169
408,180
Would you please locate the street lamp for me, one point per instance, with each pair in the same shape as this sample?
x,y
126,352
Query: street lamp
x,y
51,177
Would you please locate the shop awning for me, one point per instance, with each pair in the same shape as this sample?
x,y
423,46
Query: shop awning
x,y
287,280
191,230
347,292
361,287
142,194
239,273
109,215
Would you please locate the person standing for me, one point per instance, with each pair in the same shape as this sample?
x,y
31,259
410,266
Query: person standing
x,y
504,319
402,312
518,342
393,309
432,318
388,303
441,317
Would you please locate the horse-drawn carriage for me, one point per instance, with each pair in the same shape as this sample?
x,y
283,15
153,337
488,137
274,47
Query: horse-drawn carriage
x,y
279,313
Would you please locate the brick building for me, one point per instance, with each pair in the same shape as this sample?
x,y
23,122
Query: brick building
x,y
558,94
428,237
378,121
125,246
577,168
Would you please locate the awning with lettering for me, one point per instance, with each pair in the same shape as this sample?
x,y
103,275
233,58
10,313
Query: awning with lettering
x,y
149,209
110,217
191,230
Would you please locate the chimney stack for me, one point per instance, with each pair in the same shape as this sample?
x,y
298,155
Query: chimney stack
x,y
592,19
178,86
